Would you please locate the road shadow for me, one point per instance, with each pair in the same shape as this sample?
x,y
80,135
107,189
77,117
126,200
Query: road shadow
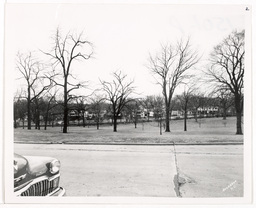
x,y
176,185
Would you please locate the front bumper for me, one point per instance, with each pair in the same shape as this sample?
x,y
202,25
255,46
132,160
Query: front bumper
x,y
58,192
41,185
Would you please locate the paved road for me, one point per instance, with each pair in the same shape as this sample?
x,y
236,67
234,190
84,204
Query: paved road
x,y
211,170
112,170
130,170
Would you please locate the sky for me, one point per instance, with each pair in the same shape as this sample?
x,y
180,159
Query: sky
x,y
123,35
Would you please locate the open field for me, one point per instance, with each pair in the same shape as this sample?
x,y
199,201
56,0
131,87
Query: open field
x,y
207,130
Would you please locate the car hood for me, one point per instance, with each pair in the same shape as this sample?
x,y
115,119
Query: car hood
x,y
20,166
27,168
38,166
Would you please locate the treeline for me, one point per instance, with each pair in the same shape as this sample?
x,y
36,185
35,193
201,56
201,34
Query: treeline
x,y
95,110
51,86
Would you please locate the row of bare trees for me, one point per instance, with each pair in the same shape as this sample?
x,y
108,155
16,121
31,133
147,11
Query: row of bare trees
x,y
118,94
227,70
33,73
60,75
41,107
97,109
171,67
174,65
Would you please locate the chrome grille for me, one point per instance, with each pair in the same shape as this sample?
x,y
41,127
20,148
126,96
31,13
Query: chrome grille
x,y
41,188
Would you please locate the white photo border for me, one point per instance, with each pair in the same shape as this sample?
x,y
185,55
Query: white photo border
x,y
247,199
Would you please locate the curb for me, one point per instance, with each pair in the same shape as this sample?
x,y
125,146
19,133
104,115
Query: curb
x,y
112,143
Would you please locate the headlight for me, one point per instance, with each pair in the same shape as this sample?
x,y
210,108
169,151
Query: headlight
x,y
54,166
15,166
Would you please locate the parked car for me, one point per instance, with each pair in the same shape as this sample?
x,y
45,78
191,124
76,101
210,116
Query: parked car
x,y
37,176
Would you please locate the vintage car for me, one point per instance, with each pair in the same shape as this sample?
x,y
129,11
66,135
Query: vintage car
x,y
37,176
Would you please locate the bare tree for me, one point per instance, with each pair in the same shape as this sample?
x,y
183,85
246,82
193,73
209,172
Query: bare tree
x,y
224,99
170,68
33,73
227,69
132,110
97,106
19,110
159,110
81,107
148,104
48,103
198,100
36,111
118,92
184,99
64,53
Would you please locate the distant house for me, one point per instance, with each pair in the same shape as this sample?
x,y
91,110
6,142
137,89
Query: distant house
x,y
208,111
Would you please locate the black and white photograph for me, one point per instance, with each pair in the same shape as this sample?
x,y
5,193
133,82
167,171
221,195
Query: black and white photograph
x,y
127,103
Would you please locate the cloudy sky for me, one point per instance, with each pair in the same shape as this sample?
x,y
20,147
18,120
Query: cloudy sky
x,y
123,35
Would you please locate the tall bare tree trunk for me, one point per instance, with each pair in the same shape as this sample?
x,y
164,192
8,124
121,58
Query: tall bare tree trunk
x,y
38,119
238,115
115,123
45,121
167,118
224,114
196,112
185,119
65,119
83,120
29,109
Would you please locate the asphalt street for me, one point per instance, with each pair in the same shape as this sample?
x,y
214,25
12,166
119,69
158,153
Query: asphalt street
x,y
146,170
112,170
210,170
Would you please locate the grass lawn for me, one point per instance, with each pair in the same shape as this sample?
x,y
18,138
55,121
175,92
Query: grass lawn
x,y
206,130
